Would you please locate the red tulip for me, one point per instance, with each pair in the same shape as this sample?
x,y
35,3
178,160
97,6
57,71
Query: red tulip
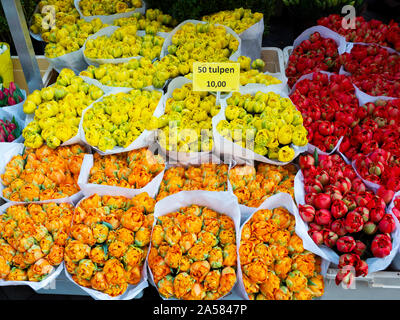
x,y
387,223
381,245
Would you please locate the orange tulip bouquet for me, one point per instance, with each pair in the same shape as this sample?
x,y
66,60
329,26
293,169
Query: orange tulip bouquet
x,y
42,174
106,252
252,185
126,174
206,176
274,264
32,242
193,251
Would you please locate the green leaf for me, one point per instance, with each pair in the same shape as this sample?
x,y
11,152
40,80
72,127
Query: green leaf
x,y
316,157
109,226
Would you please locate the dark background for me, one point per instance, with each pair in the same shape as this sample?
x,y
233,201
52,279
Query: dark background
x,y
283,28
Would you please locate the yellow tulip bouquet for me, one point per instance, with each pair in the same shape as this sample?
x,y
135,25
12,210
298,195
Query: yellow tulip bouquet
x,y
267,124
57,110
115,43
119,119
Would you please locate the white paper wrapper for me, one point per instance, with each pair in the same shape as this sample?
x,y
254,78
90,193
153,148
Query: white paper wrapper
x,y
144,140
17,109
73,60
185,158
222,202
131,292
286,201
239,154
374,264
89,189
9,150
168,40
252,40
108,31
57,269
7,116
110,18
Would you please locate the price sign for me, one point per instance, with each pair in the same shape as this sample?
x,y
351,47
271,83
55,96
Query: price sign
x,y
216,76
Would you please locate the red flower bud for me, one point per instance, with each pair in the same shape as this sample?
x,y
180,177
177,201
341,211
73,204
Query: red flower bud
x,y
381,245
307,212
353,222
338,209
387,223
361,268
330,237
360,248
386,195
323,217
322,201
345,244
306,161
376,214
316,236
338,227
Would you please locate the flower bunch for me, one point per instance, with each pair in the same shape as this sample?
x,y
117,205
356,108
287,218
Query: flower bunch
x,y
372,31
43,174
264,122
57,110
344,215
374,70
108,7
9,130
151,22
118,119
203,42
33,239
136,73
238,19
253,184
65,13
274,263
70,37
186,125
380,167
124,43
109,242
206,176
311,55
328,106
133,169
193,254
10,96
251,72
